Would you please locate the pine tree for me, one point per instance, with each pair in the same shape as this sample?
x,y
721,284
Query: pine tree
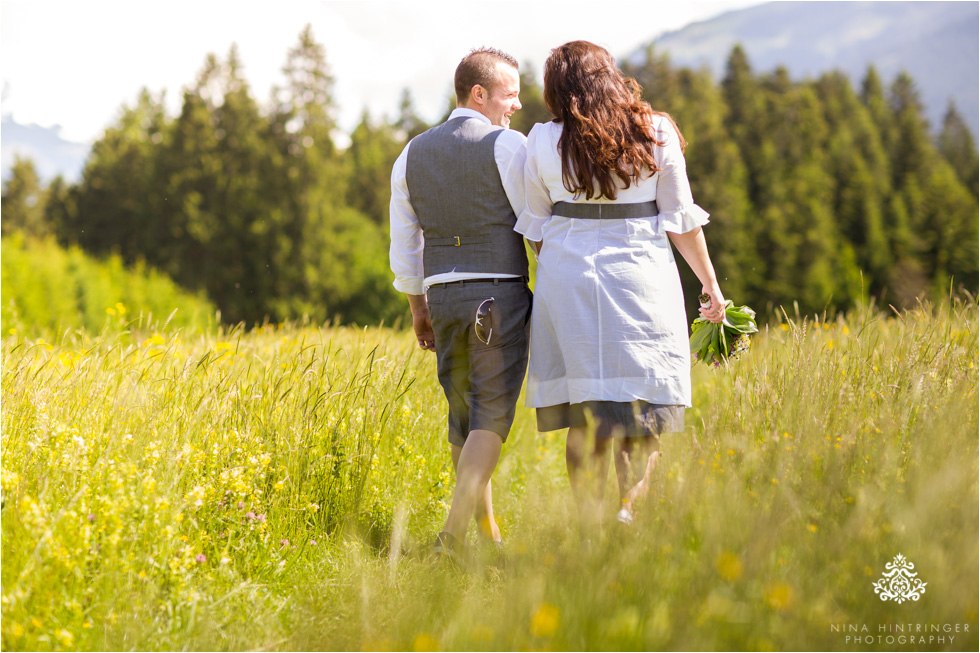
x,y
958,146
854,156
873,97
23,201
337,257
190,167
905,280
718,182
59,208
120,199
370,157
246,201
533,109
657,78
746,120
409,124
949,237
912,151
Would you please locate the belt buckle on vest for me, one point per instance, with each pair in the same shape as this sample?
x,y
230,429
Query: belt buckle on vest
x,y
457,241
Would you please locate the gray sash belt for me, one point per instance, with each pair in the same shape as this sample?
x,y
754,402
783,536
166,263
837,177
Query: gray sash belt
x,y
605,211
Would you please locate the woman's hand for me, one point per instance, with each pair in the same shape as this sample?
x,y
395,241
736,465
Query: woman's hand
x,y
715,310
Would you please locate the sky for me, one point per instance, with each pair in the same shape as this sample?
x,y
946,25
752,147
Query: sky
x,y
75,64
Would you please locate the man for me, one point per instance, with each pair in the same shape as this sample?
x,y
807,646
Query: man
x,y
456,191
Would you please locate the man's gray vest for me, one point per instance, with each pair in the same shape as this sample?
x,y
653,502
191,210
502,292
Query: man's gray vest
x,y
455,189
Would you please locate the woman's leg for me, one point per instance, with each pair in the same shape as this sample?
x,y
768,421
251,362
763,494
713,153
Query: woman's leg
x,y
636,459
484,516
587,463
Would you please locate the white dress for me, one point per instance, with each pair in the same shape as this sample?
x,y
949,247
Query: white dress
x,y
608,322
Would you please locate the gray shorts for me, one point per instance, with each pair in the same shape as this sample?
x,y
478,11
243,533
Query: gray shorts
x,y
482,382
615,418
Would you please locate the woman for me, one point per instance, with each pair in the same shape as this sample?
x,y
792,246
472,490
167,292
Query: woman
x,y
609,335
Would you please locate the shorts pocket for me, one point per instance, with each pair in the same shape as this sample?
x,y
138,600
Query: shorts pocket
x,y
509,314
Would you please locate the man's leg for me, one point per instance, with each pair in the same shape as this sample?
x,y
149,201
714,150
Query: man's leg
x,y
485,398
477,460
485,521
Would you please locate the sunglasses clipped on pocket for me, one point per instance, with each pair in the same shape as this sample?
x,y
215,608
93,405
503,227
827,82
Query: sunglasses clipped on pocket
x,y
483,324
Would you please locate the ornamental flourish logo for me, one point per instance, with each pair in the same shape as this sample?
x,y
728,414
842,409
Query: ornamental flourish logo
x,y
899,582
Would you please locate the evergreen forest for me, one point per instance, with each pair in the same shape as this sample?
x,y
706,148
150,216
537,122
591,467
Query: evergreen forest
x,y
821,195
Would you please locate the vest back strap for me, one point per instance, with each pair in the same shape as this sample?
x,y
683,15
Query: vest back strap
x,y
456,241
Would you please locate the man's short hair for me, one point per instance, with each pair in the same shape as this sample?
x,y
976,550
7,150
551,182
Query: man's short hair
x,y
479,67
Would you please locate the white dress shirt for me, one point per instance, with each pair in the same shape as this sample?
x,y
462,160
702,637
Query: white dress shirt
x,y
407,241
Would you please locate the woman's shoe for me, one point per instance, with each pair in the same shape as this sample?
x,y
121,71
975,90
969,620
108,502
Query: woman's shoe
x,y
447,547
624,517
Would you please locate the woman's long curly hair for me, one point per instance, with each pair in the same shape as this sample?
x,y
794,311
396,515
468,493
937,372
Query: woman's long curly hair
x,y
607,130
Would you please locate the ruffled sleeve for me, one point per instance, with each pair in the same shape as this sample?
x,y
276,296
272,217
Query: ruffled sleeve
x,y
537,199
678,212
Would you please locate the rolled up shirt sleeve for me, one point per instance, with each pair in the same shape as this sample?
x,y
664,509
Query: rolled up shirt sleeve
x,y
678,212
405,252
509,153
537,200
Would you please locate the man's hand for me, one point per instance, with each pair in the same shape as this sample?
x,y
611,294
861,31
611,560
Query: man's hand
x,y
421,322
423,331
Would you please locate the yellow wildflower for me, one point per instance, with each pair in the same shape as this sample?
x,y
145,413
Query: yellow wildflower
x,y
779,597
729,566
65,638
546,620
425,642
482,632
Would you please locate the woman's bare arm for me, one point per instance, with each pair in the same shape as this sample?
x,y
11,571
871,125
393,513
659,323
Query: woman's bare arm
x,y
692,247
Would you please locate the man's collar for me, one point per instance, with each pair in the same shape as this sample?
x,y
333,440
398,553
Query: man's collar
x,y
460,112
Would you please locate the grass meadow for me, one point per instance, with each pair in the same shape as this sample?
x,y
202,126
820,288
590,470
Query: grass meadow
x,y
279,489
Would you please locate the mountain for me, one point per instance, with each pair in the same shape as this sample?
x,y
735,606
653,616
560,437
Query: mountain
x,y
935,42
52,155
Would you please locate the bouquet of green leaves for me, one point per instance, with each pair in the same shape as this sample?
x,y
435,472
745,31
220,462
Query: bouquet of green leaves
x,y
716,342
